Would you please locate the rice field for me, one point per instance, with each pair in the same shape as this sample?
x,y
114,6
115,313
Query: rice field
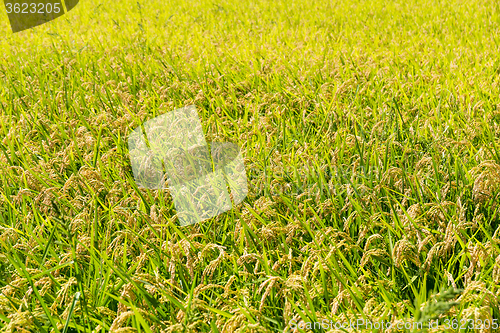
x,y
370,135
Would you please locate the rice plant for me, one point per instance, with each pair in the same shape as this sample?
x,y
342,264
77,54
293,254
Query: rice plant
x,y
370,135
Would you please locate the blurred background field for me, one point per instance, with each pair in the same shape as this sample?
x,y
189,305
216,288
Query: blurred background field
x,y
370,136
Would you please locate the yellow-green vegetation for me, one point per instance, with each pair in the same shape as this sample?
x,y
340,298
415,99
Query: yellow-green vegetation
x,y
370,134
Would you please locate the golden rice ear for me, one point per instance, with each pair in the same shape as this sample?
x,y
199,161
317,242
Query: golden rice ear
x,y
25,14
